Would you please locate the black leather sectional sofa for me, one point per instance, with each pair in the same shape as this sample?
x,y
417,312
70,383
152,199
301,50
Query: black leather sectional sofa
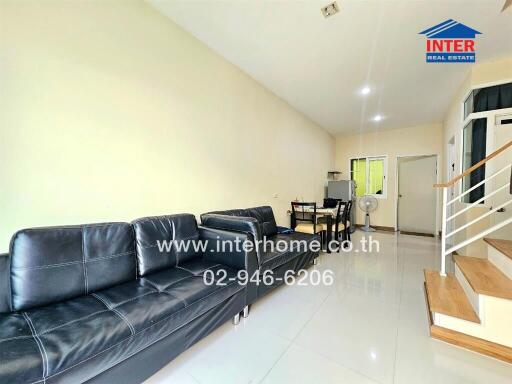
x,y
101,303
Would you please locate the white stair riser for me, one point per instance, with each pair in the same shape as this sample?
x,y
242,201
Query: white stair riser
x,y
502,262
495,328
474,298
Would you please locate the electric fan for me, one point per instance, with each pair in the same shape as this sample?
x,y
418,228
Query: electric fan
x,y
368,204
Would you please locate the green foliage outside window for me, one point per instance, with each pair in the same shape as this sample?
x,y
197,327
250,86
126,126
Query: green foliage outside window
x,y
374,180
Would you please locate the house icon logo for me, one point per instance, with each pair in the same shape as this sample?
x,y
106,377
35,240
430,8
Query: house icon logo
x,y
450,42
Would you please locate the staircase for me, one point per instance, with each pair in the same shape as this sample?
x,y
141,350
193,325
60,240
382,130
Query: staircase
x,y
472,307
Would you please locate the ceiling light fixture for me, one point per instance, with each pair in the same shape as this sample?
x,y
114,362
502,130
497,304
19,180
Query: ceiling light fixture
x,y
377,118
365,91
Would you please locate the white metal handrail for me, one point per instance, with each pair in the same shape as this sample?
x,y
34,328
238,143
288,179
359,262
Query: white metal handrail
x,y
478,202
479,184
445,219
488,213
478,237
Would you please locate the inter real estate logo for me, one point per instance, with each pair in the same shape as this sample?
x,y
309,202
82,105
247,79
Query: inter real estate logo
x,y
450,42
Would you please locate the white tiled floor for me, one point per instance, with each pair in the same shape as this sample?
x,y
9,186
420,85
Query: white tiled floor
x,y
369,327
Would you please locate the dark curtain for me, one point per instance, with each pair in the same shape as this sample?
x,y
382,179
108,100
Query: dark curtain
x,y
486,99
478,144
490,98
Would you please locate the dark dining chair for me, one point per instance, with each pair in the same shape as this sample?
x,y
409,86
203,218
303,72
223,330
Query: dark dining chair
x,y
337,222
303,220
330,202
346,221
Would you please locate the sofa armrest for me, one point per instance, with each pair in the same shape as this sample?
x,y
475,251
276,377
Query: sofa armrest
x,y
233,223
5,283
233,255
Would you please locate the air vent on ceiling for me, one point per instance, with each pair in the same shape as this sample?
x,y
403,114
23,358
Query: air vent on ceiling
x,y
330,9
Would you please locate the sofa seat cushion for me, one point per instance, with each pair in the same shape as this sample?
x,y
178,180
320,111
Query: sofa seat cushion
x,y
20,356
187,284
273,259
82,337
285,248
198,266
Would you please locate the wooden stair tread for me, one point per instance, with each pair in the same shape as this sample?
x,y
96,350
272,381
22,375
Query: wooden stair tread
x,y
484,277
446,296
504,246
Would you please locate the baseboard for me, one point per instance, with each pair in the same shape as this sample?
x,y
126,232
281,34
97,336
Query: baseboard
x,y
475,344
378,227
417,234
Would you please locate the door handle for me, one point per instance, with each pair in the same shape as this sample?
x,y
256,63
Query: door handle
x,y
400,195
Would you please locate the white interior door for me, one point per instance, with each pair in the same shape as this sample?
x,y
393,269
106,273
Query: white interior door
x,y
416,195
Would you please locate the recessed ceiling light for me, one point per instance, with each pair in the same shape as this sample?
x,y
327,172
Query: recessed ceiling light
x,y
377,118
365,91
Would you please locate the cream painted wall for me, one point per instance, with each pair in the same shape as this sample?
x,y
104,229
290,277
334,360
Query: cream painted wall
x,y
479,75
422,140
111,112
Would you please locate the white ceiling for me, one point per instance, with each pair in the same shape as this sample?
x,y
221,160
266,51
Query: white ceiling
x,y
318,65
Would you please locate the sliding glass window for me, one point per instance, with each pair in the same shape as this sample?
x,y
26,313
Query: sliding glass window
x,y
369,173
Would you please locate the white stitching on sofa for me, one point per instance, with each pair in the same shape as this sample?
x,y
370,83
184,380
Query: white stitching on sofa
x,y
49,265
71,322
198,273
84,265
75,262
170,285
116,311
40,346
102,258
133,298
123,317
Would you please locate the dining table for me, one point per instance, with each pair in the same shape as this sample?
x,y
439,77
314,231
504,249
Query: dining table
x,y
330,215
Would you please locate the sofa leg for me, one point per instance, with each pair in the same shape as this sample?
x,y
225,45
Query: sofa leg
x,y
245,313
236,319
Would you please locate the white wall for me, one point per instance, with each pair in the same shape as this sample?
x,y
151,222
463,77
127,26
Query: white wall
x,y
412,141
111,112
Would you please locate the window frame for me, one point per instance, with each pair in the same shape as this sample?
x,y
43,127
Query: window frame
x,y
384,194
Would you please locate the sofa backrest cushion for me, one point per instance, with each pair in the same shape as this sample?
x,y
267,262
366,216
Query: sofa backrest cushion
x,y
58,263
157,237
5,284
264,215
